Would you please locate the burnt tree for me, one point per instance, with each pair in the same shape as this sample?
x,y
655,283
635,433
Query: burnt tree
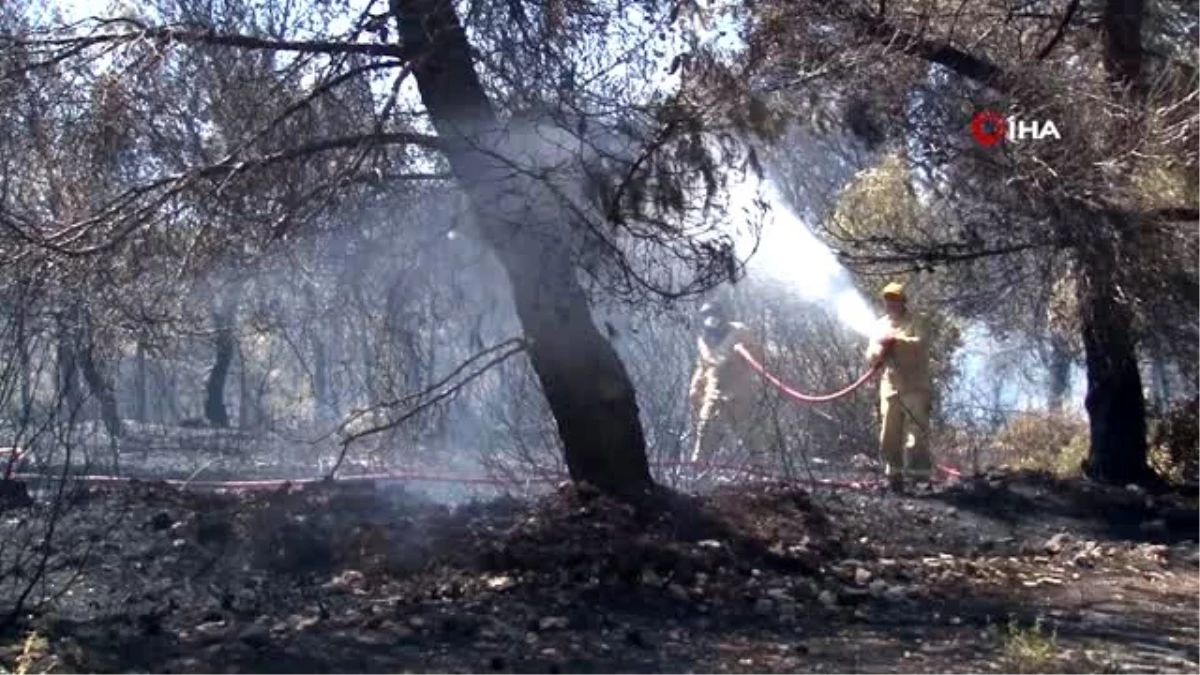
x,y
1115,403
586,386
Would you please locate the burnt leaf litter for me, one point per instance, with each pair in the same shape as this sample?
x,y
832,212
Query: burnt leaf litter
x,y
981,575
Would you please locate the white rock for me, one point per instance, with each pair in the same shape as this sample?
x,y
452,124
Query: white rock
x,y
500,583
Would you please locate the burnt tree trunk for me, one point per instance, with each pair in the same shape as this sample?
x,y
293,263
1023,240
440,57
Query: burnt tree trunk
x,y
225,343
585,384
1115,403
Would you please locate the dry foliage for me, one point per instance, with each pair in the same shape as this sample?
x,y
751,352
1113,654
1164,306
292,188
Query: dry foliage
x,y
1175,443
1056,442
877,202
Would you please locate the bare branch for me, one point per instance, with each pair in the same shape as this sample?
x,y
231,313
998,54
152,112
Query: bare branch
x,y
944,256
162,189
504,350
76,44
1062,30
965,64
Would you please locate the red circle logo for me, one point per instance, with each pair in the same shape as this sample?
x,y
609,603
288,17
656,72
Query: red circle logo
x,y
989,128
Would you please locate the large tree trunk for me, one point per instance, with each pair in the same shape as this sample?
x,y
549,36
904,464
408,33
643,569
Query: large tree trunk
x,y
583,379
1115,402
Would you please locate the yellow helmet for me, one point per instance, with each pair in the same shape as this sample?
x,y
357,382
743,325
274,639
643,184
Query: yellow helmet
x,y
894,290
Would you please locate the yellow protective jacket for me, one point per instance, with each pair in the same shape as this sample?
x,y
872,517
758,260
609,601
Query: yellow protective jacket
x,y
906,367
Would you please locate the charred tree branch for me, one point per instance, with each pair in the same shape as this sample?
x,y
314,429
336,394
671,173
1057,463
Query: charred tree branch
x,y
1060,32
166,35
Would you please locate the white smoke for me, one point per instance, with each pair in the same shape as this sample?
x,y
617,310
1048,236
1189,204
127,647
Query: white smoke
x,y
789,255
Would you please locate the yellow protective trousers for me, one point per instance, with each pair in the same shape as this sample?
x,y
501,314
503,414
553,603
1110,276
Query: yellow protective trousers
x,y
723,419
904,437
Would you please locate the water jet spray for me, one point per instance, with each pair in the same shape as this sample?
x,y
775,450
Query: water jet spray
x,y
790,256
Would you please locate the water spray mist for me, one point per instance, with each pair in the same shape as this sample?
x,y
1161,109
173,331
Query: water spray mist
x,y
789,254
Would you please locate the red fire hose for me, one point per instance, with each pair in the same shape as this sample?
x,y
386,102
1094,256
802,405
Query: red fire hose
x,y
800,396
810,398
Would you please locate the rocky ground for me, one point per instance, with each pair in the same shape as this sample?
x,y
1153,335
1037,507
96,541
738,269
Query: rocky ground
x,y
1006,573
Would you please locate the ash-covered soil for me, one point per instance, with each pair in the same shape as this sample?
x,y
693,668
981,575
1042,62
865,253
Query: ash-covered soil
x,y
1004,573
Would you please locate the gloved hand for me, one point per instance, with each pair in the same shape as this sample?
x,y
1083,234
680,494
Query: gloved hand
x,y
887,342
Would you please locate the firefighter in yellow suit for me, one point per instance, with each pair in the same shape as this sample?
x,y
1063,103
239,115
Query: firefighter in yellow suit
x,y
723,388
900,343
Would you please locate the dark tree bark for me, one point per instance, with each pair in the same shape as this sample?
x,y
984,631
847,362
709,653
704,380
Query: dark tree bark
x,y
1123,41
583,379
225,342
214,389
1115,402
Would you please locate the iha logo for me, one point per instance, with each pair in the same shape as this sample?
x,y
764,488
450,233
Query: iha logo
x,y
990,127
